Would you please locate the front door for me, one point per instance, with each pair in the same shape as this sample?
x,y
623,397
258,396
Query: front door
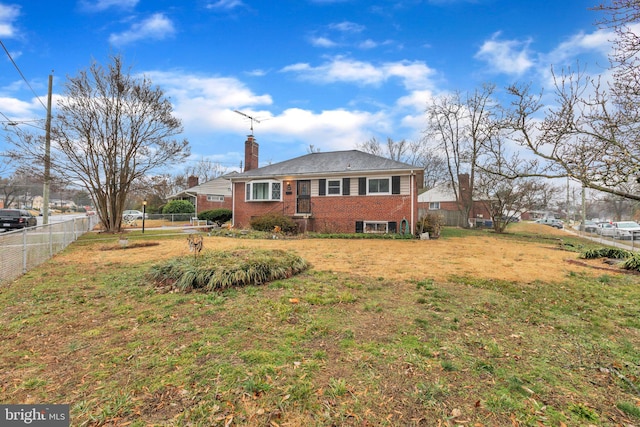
x,y
303,204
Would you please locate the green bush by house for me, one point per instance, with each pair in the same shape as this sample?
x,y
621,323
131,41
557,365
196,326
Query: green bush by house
x,y
178,206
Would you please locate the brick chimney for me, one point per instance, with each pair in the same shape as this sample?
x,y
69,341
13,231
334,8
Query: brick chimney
x,y
250,153
465,189
192,181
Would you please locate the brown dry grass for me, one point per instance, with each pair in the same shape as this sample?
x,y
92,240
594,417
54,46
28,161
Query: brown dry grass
x,y
488,257
85,329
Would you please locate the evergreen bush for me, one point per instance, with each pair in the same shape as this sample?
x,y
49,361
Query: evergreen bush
x,y
219,216
274,221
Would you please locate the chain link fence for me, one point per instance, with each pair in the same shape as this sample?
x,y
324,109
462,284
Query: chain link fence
x,y
22,250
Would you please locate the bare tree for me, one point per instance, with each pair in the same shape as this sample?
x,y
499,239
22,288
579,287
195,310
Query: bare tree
x,y
591,132
372,146
460,126
415,153
111,129
434,166
206,170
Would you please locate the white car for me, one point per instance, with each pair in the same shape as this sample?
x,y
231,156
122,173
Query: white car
x,y
626,230
606,229
133,214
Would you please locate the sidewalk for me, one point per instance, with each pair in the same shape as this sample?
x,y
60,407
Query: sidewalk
x,y
630,245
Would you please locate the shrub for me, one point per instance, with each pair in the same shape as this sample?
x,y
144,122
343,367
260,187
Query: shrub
x,y
430,223
178,206
614,253
274,221
219,270
632,262
219,216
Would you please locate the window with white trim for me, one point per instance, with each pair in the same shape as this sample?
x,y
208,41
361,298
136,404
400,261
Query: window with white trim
x,y
214,198
263,191
334,187
376,227
434,206
378,186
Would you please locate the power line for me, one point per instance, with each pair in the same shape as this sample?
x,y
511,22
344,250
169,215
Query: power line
x,y
22,75
11,122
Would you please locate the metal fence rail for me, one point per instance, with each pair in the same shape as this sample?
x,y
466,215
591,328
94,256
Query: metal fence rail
x,y
22,250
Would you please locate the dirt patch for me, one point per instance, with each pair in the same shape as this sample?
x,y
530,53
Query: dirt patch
x,y
133,245
488,257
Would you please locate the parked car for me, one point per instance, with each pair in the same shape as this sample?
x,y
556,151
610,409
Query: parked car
x,y
133,214
588,226
606,229
551,222
626,230
16,218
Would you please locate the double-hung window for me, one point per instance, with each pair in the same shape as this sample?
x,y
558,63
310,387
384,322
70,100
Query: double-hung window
x,y
263,191
379,186
334,186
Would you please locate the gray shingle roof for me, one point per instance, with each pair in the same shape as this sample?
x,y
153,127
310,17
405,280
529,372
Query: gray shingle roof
x,y
334,162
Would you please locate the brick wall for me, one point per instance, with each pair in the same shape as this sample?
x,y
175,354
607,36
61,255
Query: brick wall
x,y
336,214
205,205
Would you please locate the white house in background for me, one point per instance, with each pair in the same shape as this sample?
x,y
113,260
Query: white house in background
x,y
213,194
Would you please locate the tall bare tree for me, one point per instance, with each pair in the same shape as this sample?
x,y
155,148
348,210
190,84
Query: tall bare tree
x,y
111,128
459,126
591,132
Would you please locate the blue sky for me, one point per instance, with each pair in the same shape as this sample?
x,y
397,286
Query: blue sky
x,y
327,73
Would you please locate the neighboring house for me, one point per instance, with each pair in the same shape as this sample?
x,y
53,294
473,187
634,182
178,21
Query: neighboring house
x,y
442,200
214,194
340,191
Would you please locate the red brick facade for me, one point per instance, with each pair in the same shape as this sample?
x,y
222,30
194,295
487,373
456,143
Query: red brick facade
x,y
205,205
334,214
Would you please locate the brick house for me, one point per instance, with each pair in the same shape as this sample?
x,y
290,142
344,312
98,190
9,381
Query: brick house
x,y
213,194
341,191
442,200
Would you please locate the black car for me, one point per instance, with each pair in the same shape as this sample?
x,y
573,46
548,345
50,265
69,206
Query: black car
x,y
16,218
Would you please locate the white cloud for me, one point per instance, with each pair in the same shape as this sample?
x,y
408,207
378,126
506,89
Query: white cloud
x,y
225,4
505,56
322,42
205,102
156,27
8,14
100,5
205,105
368,44
347,27
328,130
414,74
20,110
598,41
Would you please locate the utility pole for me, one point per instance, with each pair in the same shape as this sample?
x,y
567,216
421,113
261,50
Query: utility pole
x,y
47,157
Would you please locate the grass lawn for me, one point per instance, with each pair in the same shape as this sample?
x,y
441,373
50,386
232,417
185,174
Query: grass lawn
x,y
472,329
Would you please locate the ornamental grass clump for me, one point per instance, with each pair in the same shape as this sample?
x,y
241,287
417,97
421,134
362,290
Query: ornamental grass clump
x,y
219,270
632,262
613,253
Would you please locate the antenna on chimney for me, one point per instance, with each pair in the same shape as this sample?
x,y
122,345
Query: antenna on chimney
x,y
253,119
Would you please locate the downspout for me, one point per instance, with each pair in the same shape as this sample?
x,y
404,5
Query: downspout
x,y
411,181
233,204
195,196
